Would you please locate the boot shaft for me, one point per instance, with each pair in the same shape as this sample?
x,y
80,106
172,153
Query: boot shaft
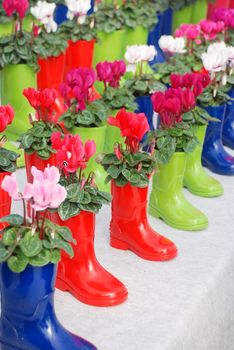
x,y
215,129
27,294
127,200
169,178
195,156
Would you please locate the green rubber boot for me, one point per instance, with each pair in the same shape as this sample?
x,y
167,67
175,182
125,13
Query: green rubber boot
x,y
5,28
196,179
14,79
182,16
137,36
98,135
110,47
167,200
199,11
113,135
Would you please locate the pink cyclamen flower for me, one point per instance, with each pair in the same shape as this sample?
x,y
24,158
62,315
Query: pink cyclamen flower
x,y
10,185
50,173
90,149
18,6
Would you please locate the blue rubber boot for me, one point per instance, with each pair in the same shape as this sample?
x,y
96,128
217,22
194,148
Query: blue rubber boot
x,y
228,125
167,22
60,14
145,106
153,39
214,156
28,319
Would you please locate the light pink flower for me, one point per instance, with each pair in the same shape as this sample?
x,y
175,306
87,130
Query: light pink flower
x,y
10,185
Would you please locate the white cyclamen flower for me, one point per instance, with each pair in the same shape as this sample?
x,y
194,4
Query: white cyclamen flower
x,y
214,62
78,8
140,53
44,12
170,44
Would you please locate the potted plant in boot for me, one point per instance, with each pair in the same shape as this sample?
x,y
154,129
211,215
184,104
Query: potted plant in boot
x,y
30,251
115,96
8,161
52,58
111,24
85,116
174,139
129,170
18,61
140,18
83,275
36,142
214,100
142,82
80,32
196,179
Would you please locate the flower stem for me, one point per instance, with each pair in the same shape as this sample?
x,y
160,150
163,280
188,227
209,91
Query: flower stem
x,y
42,225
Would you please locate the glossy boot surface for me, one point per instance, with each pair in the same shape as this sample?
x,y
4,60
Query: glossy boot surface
x,y
167,200
14,79
113,135
214,156
228,125
97,134
145,106
28,320
196,179
83,276
130,229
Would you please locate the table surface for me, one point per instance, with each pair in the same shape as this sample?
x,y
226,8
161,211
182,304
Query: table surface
x,y
183,304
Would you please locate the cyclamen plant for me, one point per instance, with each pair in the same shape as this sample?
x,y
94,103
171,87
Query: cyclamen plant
x,y
174,134
17,9
197,83
143,81
130,164
37,138
34,241
82,109
82,193
7,158
115,96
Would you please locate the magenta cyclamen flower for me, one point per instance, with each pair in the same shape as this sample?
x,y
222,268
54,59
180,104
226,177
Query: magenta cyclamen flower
x,y
18,6
111,72
78,83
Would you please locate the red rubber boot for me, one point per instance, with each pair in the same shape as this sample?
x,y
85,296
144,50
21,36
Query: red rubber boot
x,y
83,276
129,228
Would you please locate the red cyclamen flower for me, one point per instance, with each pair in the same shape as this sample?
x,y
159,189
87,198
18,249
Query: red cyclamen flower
x,y
132,126
6,116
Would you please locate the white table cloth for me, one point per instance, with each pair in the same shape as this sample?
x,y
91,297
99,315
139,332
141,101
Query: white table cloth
x,y
183,304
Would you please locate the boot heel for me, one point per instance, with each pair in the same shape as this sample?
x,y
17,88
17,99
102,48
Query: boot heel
x,y
115,243
61,285
153,212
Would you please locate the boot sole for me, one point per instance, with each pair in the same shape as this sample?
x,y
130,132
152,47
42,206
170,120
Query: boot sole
x,y
205,194
102,302
154,212
217,171
118,244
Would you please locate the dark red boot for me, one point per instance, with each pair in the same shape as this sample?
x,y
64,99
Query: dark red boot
x,y
83,276
129,228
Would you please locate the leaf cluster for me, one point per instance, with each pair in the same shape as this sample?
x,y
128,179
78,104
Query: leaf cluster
x,y
144,85
133,168
119,98
8,160
19,48
51,44
207,98
198,116
109,18
21,245
38,139
179,4
71,30
180,138
140,13
94,115
78,199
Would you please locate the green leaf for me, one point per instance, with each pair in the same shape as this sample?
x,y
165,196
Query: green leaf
x,y
65,233
27,140
4,253
17,263
113,171
30,244
55,256
13,219
67,210
9,236
42,259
